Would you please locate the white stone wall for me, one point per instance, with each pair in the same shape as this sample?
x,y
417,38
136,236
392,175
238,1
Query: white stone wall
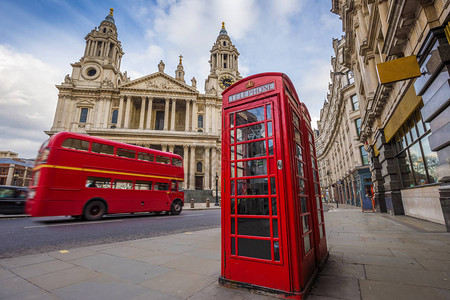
x,y
423,203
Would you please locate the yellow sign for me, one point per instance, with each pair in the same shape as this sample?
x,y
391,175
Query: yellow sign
x,y
398,69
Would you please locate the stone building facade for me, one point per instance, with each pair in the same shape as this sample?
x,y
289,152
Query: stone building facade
x,y
405,124
156,111
343,161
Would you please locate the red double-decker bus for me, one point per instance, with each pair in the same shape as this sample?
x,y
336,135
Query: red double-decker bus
x,y
85,176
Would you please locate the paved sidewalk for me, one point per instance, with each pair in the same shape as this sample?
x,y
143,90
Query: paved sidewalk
x,y
372,256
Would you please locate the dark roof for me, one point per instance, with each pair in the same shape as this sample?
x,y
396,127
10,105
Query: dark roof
x,y
12,161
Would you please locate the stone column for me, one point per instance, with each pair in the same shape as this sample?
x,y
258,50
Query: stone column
x,y
164,147
166,114
149,114
185,166
127,112
194,115
59,111
207,117
192,169
142,116
120,114
171,147
187,116
214,118
172,117
106,111
207,185
214,165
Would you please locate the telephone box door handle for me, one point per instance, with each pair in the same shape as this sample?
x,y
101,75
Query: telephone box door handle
x,y
280,164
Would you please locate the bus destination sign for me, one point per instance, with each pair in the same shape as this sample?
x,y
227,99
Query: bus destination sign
x,y
252,92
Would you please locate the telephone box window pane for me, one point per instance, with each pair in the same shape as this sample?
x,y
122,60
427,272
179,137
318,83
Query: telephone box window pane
x,y
316,188
275,228
305,223
321,231
231,120
310,137
269,129
316,176
313,162
297,136
232,171
274,206
254,227
300,169
319,215
318,202
233,246
255,248
276,251
307,243
232,187
253,186
249,133
250,116
232,225
304,204
232,153
252,167
269,112
270,142
232,206
253,206
250,150
296,120
299,152
232,136
273,187
301,184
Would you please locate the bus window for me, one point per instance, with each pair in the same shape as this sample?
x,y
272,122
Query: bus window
x,y
102,148
75,144
177,162
126,153
123,184
162,159
146,156
143,185
98,182
174,186
161,186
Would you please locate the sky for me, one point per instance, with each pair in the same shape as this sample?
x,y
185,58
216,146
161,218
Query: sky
x,y
39,39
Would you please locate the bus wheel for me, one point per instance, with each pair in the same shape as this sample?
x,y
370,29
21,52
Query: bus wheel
x,y
94,210
176,208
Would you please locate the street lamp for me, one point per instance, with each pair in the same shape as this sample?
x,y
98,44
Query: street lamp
x,y
217,192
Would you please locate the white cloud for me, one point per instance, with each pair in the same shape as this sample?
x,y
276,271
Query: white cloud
x,y
28,99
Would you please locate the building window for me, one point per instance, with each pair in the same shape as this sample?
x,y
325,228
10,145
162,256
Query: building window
x,y
350,77
417,163
355,102
159,122
358,126
364,156
83,115
200,121
199,167
115,114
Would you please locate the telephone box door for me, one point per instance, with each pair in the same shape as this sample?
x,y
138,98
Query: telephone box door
x,y
255,247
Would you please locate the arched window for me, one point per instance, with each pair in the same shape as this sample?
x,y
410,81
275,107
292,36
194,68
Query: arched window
x,y
115,114
200,121
224,43
199,167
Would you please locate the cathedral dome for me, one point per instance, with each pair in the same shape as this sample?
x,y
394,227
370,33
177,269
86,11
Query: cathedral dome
x,y
223,31
109,17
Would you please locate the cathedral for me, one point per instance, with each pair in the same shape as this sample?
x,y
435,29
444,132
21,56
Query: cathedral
x,y
157,111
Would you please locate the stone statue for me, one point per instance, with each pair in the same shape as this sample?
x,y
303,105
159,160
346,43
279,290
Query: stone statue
x,y
194,82
161,66
67,79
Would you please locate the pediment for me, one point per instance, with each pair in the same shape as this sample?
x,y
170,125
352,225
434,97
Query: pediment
x,y
85,103
158,81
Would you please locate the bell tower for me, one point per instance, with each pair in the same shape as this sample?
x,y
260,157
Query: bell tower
x,y
223,64
100,65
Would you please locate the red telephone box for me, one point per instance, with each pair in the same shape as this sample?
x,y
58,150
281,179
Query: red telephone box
x,y
273,234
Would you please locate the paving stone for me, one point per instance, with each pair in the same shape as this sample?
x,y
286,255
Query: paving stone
x,y
157,257
219,292
377,260
134,271
195,265
72,254
100,288
344,270
4,274
377,290
331,286
63,278
98,261
435,279
41,268
125,251
15,285
33,294
434,265
25,260
179,283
